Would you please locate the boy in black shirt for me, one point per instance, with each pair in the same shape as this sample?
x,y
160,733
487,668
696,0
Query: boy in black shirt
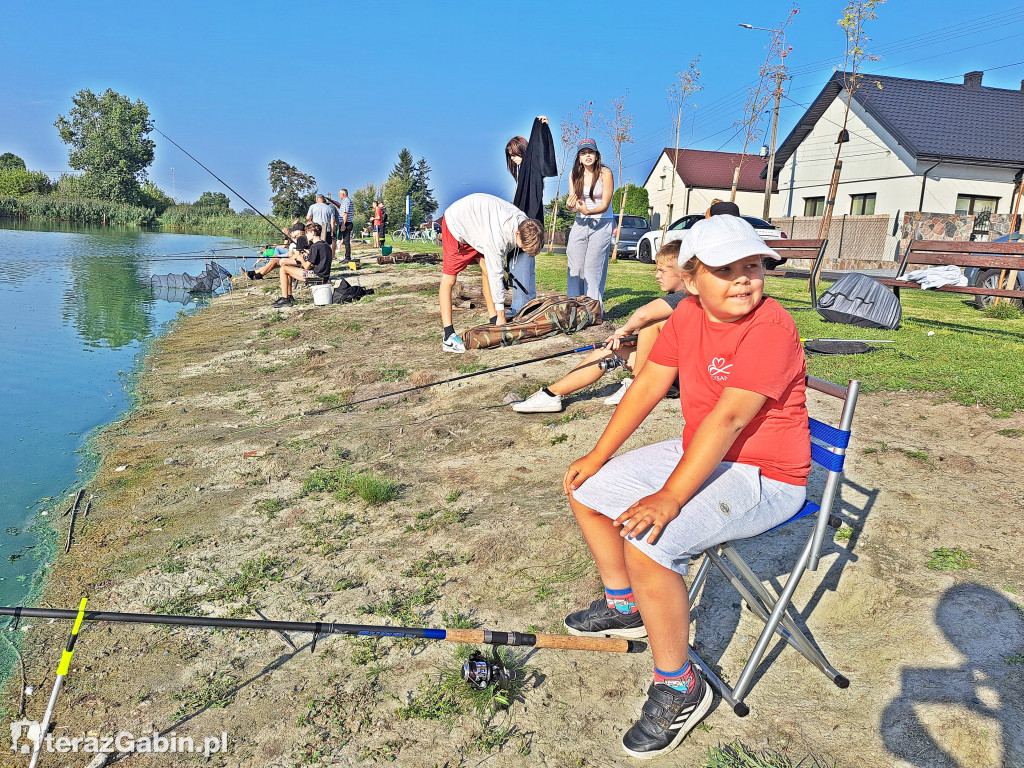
x,y
317,264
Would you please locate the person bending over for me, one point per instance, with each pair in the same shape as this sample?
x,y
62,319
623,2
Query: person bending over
x,y
316,265
481,228
740,469
646,323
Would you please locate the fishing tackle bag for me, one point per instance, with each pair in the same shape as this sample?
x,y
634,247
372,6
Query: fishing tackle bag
x,y
860,300
344,292
538,319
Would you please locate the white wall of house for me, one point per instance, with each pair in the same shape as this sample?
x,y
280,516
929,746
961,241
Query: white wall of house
x,y
686,200
874,163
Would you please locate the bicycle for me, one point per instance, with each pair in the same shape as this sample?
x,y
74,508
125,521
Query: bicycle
x,y
404,234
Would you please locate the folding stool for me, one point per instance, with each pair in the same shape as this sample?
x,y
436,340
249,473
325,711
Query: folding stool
x,y
828,449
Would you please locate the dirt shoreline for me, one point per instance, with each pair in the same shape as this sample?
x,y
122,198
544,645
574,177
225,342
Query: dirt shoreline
x,y
204,519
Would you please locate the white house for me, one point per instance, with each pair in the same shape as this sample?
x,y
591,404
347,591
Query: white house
x,y
912,145
701,177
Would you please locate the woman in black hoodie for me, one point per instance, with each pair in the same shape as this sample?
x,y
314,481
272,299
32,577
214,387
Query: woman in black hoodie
x,y
529,162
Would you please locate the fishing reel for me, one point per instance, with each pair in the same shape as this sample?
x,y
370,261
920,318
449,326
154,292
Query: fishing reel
x,y
482,672
611,363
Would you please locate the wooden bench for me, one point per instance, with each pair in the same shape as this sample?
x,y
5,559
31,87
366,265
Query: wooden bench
x,y
812,249
1008,258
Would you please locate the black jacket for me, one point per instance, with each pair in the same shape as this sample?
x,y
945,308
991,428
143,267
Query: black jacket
x,y
538,163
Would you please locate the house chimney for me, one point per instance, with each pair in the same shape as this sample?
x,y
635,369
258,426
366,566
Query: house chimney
x,y
1022,85
973,79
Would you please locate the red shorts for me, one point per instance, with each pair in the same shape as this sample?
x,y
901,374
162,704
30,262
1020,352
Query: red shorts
x,y
455,256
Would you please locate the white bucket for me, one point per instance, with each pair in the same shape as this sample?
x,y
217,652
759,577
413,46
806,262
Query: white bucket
x,y
322,294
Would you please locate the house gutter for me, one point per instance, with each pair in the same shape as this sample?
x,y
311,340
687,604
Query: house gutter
x,y
924,181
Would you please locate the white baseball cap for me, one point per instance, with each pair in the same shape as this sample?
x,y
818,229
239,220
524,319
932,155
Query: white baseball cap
x,y
722,240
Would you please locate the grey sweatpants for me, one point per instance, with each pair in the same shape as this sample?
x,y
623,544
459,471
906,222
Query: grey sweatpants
x,y
736,502
587,249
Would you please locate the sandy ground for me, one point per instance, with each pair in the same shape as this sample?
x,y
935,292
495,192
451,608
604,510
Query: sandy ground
x,y
207,519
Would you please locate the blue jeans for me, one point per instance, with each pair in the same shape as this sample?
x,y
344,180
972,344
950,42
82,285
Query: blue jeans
x,y
523,268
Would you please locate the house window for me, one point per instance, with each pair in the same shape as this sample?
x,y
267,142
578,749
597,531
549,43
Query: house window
x,y
862,205
814,206
975,204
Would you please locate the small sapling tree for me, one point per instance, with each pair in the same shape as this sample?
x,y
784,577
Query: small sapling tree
x,y
619,128
687,84
856,15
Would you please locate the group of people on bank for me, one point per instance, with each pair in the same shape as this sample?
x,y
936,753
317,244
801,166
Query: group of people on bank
x,y
733,355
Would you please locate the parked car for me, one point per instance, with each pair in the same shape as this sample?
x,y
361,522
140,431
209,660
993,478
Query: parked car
x,y
633,228
649,243
989,278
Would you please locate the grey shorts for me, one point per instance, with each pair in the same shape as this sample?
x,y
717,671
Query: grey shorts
x,y
735,502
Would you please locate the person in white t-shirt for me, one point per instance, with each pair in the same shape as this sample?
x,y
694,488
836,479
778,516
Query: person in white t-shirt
x,y
485,228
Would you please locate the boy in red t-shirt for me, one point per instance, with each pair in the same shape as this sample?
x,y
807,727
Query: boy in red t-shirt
x,y
740,469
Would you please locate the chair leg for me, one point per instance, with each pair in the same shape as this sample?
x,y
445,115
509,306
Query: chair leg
x,y
788,630
771,626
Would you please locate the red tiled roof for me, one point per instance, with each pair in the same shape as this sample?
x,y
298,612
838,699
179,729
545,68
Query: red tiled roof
x,y
714,170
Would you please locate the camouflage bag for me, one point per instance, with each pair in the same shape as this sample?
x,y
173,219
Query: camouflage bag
x,y
401,257
538,319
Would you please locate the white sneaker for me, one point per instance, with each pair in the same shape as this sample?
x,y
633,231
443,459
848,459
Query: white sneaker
x,y
614,399
540,402
453,344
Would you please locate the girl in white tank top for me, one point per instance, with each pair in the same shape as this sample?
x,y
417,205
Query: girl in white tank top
x,y
590,239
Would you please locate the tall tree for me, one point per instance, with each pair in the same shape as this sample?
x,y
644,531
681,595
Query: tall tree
x,y
398,185
294,191
423,203
215,200
108,139
362,203
10,161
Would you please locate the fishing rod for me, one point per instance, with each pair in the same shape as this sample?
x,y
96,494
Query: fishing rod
x,y
62,671
218,178
480,672
322,411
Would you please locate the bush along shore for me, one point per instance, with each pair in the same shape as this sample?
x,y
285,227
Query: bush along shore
x,y
187,217
441,508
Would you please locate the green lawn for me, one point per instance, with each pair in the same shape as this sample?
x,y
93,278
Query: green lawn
x,y
970,358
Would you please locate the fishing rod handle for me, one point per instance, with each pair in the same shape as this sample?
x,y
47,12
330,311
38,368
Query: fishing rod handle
x,y
561,642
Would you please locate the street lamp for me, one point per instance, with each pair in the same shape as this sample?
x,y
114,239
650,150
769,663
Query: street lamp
x,y
780,76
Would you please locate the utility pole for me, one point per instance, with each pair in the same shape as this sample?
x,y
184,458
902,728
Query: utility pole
x,y
173,196
780,76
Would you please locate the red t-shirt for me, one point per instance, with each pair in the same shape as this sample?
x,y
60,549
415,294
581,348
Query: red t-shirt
x,y
759,353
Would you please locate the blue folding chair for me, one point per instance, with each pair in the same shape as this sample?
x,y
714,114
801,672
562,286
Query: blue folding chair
x,y
828,450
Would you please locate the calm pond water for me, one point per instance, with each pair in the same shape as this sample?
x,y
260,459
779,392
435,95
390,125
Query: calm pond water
x,y
75,317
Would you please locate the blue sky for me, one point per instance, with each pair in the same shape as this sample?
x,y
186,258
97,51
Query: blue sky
x,y
337,89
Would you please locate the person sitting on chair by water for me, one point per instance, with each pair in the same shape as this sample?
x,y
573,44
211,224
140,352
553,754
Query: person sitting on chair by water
x,y
287,254
646,323
316,265
740,469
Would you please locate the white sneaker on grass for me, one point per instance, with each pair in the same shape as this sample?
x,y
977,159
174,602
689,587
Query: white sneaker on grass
x,y
539,402
453,344
614,399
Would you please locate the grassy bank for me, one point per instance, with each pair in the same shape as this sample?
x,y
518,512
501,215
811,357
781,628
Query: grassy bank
x,y
77,210
444,508
970,357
